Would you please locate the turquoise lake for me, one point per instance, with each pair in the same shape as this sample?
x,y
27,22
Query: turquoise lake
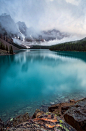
x,y
34,79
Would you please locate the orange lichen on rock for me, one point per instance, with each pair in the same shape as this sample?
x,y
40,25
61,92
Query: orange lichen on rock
x,y
46,119
50,126
50,120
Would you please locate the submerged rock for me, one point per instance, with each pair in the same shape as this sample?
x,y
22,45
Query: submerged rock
x,y
76,115
1,125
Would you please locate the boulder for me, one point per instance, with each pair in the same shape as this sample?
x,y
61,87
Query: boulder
x,y
76,115
72,101
61,108
64,109
16,121
37,113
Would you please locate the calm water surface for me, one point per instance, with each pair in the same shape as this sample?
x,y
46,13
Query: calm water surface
x,y
35,79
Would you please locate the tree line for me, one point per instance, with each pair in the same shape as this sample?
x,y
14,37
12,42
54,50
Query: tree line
x,y
70,46
8,49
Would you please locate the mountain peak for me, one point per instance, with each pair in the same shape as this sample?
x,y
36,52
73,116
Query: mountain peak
x,y
8,24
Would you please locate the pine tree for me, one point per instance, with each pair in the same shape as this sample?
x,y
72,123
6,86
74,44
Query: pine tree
x,y
1,45
7,48
11,50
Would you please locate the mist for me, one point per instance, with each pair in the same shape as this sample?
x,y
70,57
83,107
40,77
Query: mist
x,y
65,39
56,41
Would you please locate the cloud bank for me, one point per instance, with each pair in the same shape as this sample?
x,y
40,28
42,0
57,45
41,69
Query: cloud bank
x,y
64,15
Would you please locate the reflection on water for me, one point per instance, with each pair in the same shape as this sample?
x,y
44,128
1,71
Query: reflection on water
x,y
77,55
33,78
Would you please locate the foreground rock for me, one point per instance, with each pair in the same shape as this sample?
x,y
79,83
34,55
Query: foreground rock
x,y
73,112
43,122
61,108
37,114
13,122
76,115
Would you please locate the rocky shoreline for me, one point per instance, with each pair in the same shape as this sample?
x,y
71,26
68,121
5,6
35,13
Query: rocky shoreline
x,y
4,53
68,116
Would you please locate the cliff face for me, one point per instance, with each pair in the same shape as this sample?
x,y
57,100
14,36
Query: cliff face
x,y
22,27
8,24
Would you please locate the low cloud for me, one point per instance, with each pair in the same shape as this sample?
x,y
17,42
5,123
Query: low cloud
x,y
65,39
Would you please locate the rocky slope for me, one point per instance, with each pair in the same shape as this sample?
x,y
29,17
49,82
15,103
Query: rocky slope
x,y
8,44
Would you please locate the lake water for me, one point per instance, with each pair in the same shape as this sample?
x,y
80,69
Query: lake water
x,y
35,79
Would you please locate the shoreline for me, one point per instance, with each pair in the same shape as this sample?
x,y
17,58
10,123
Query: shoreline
x,y
67,50
5,53
58,111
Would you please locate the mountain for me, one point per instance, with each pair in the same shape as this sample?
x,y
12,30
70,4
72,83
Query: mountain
x,y
20,31
33,35
9,31
9,28
53,34
8,24
84,39
45,35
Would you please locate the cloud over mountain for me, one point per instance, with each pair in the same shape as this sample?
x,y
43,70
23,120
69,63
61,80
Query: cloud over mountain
x,y
64,15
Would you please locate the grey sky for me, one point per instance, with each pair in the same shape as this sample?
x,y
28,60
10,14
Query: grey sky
x,y
65,15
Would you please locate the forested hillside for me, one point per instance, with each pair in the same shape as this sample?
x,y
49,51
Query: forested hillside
x,y
70,46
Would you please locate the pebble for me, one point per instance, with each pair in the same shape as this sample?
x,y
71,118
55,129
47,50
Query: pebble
x,y
52,103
